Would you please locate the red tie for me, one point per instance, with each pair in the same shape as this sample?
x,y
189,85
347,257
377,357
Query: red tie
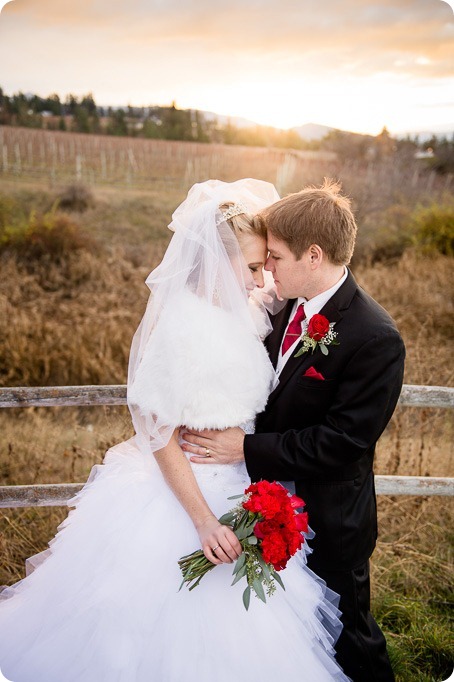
x,y
294,329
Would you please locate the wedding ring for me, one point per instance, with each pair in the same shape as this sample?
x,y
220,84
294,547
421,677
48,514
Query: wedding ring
x,y
213,549
207,454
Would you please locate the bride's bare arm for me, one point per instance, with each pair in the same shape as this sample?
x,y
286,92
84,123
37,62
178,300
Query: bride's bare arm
x,y
179,476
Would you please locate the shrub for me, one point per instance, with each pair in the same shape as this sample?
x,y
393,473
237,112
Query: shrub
x,y
384,236
7,210
76,197
433,229
51,236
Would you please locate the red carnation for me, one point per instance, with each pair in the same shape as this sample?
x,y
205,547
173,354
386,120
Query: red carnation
x,y
296,502
275,550
301,522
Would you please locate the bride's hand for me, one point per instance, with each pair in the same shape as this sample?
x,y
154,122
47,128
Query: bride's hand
x,y
220,538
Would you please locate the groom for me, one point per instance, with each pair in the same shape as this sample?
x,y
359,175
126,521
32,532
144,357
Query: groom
x,y
323,419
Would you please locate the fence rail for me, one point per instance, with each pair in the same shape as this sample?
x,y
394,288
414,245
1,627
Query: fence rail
x,y
115,394
58,494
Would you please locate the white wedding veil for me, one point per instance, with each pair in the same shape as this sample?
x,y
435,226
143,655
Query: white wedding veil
x,y
202,259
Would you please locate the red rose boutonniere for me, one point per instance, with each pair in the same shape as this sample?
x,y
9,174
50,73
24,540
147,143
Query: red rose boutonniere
x,y
319,334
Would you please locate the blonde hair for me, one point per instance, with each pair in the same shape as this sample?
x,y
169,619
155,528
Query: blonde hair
x,y
315,215
244,223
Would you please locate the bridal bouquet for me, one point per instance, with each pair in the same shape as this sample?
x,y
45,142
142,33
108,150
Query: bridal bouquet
x,y
270,529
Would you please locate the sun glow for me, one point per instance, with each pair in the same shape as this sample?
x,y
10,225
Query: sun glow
x,y
363,107
283,72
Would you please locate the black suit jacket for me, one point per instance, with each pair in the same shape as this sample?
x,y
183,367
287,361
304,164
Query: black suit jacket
x,y
322,434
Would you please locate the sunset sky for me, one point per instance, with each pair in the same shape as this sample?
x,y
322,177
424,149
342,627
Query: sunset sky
x,y
351,64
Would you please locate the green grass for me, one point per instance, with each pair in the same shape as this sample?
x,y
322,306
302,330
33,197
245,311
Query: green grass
x,y
413,585
419,635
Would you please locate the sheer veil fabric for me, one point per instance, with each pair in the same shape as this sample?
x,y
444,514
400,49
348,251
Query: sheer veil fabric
x,y
203,261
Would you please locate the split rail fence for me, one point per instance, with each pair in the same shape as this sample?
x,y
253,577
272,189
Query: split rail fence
x,y
51,495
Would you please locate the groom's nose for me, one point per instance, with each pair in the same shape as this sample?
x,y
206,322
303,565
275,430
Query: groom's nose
x,y
268,265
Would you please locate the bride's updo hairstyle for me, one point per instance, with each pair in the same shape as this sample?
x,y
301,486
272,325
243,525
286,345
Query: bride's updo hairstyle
x,y
242,223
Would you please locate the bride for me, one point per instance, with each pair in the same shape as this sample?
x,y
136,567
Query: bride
x,y
101,604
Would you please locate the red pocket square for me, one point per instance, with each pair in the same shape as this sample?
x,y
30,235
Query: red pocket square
x,y
312,372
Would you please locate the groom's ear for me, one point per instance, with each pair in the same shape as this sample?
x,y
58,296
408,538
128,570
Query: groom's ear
x,y
315,256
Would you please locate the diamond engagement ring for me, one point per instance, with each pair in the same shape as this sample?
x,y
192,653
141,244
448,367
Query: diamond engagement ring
x,y
213,549
207,452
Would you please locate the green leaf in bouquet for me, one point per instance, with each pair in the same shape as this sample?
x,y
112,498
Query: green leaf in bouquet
x,y
242,533
264,566
252,540
241,573
239,563
324,349
250,526
277,577
247,597
258,588
227,518
236,497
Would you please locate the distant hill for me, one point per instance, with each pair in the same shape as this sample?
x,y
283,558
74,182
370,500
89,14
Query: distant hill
x,y
308,131
312,131
237,121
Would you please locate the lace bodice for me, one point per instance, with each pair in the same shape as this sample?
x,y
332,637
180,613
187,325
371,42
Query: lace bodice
x,y
222,476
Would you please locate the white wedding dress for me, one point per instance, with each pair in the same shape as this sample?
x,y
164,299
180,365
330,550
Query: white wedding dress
x,y
103,602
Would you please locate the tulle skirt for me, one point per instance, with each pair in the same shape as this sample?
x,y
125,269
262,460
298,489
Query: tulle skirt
x,y
102,603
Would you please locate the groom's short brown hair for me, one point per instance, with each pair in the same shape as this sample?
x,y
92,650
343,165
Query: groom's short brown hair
x,y
316,215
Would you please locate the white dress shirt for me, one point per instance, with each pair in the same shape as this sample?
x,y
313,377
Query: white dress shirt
x,y
311,307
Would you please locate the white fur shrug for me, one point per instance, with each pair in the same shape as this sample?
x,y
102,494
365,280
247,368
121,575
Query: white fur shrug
x,y
202,368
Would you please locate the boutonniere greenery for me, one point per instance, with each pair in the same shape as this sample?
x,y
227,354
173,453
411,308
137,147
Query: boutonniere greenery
x,y
319,334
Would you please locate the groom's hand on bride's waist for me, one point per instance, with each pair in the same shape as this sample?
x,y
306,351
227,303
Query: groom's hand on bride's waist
x,y
214,447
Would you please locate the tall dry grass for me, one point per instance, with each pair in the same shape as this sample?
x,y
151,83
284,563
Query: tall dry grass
x,y
417,291
68,325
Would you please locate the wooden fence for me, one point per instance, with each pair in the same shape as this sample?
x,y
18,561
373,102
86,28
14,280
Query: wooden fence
x,y
49,495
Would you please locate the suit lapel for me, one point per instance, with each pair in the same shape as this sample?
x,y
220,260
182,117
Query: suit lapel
x,y
280,321
331,310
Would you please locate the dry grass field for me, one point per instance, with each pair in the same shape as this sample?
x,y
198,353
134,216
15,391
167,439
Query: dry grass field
x,y
68,316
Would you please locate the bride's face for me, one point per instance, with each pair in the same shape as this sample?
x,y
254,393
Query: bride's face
x,y
253,248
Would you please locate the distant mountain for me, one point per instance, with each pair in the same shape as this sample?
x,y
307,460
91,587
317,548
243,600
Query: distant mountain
x,y
312,131
308,131
223,120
